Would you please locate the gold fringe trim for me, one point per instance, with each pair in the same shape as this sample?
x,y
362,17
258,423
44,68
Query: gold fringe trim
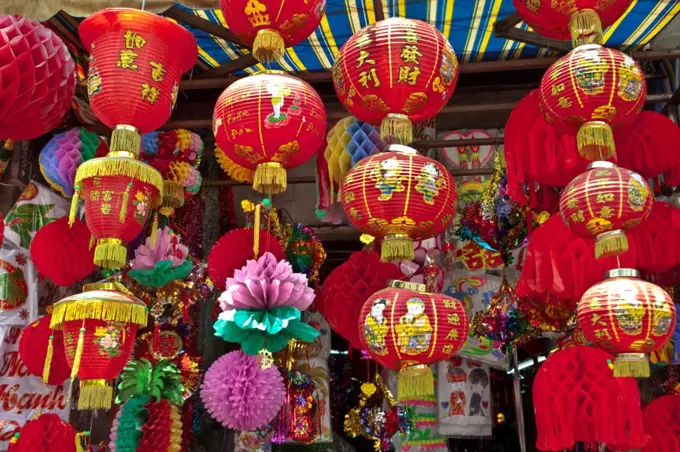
x,y
415,382
256,232
595,141
79,352
123,207
585,28
270,178
110,253
611,244
398,127
173,194
397,248
74,206
631,365
95,395
48,359
154,229
125,142
116,311
80,437
268,46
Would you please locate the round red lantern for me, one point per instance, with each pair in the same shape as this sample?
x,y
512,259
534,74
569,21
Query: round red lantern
x,y
662,424
593,89
38,79
400,196
603,202
47,433
395,72
136,62
41,351
269,121
269,26
405,328
627,317
99,327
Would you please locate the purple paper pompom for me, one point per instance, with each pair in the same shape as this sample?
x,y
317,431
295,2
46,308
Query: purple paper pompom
x,y
267,283
239,394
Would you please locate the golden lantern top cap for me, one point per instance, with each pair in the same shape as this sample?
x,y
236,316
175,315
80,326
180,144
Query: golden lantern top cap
x,y
601,164
622,273
416,287
402,149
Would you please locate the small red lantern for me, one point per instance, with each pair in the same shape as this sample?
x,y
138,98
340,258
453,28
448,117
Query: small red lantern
x,y
593,89
603,202
400,196
39,354
269,26
395,72
627,317
99,328
38,79
268,122
405,328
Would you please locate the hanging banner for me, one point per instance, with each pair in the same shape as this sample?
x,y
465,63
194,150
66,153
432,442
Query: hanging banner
x,y
18,286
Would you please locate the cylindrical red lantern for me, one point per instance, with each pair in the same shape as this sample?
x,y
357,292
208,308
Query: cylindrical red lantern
x,y
627,317
268,122
99,327
400,196
269,26
603,203
41,351
136,62
395,72
405,328
38,79
593,89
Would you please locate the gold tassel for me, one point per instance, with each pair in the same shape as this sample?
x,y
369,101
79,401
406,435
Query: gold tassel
x,y
397,126
93,241
123,207
79,352
270,178
268,46
125,142
74,206
154,229
415,382
397,247
110,253
595,141
611,244
585,28
256,231
48,360
84,307
94,395
173,194
631,365
79,441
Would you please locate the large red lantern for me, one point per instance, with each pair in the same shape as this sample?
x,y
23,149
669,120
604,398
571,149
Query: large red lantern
x,y
400,196
99,327
38,79
603,203
405,328
269,26
593,89
627,317
395,72
267,122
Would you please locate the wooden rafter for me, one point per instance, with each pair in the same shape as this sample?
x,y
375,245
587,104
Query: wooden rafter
x,y
379,10
66,33
506,28
224,70
205,25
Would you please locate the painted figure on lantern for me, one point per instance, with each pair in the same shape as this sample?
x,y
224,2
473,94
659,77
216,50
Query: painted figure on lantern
x,y
375,327
414,330
590,73
109,338
630,312
429,182
662,317
630,80
638,192
278,93
388,178
94,80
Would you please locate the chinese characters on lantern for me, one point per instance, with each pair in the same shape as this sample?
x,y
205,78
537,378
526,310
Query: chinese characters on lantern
x,y
133,42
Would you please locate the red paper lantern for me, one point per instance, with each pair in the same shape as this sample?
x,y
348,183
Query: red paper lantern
x,y
38,79
347,287
99,328
603,203
395,72
593,89
400,196
267,122
627,317
34,349
662,424
269,26
577,398
47,433
136,62
62,253
405,328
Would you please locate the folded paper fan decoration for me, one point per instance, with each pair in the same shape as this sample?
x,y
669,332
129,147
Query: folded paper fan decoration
x,y
233,169
41,351
662,424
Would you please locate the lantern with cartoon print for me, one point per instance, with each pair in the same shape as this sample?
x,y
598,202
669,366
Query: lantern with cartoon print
x,y
405,328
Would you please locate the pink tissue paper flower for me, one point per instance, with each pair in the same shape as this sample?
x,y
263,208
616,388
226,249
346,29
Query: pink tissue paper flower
x,y
167,248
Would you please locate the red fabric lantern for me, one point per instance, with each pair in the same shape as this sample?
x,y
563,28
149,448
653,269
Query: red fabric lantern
x,y
269,26
577,398
347,287
62,253
603,203
662,424
34,348
47,433
136,62
400,196
268,122
395,72
38,79
593,89
405,328
628,317
99,328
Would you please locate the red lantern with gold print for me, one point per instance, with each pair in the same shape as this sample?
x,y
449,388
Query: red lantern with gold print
x,y
603,203
405,328
399,196
268,122
269,26
99,327
627,317
593,89
395,72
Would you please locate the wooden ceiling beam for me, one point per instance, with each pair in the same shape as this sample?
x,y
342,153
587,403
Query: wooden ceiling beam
x,y
202,24
66,33
225,70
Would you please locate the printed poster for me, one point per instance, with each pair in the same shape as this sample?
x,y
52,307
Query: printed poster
x,y
18,283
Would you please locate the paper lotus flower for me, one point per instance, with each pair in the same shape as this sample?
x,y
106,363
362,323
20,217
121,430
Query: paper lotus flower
x,y
267,283
239,394
155,266
260,330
